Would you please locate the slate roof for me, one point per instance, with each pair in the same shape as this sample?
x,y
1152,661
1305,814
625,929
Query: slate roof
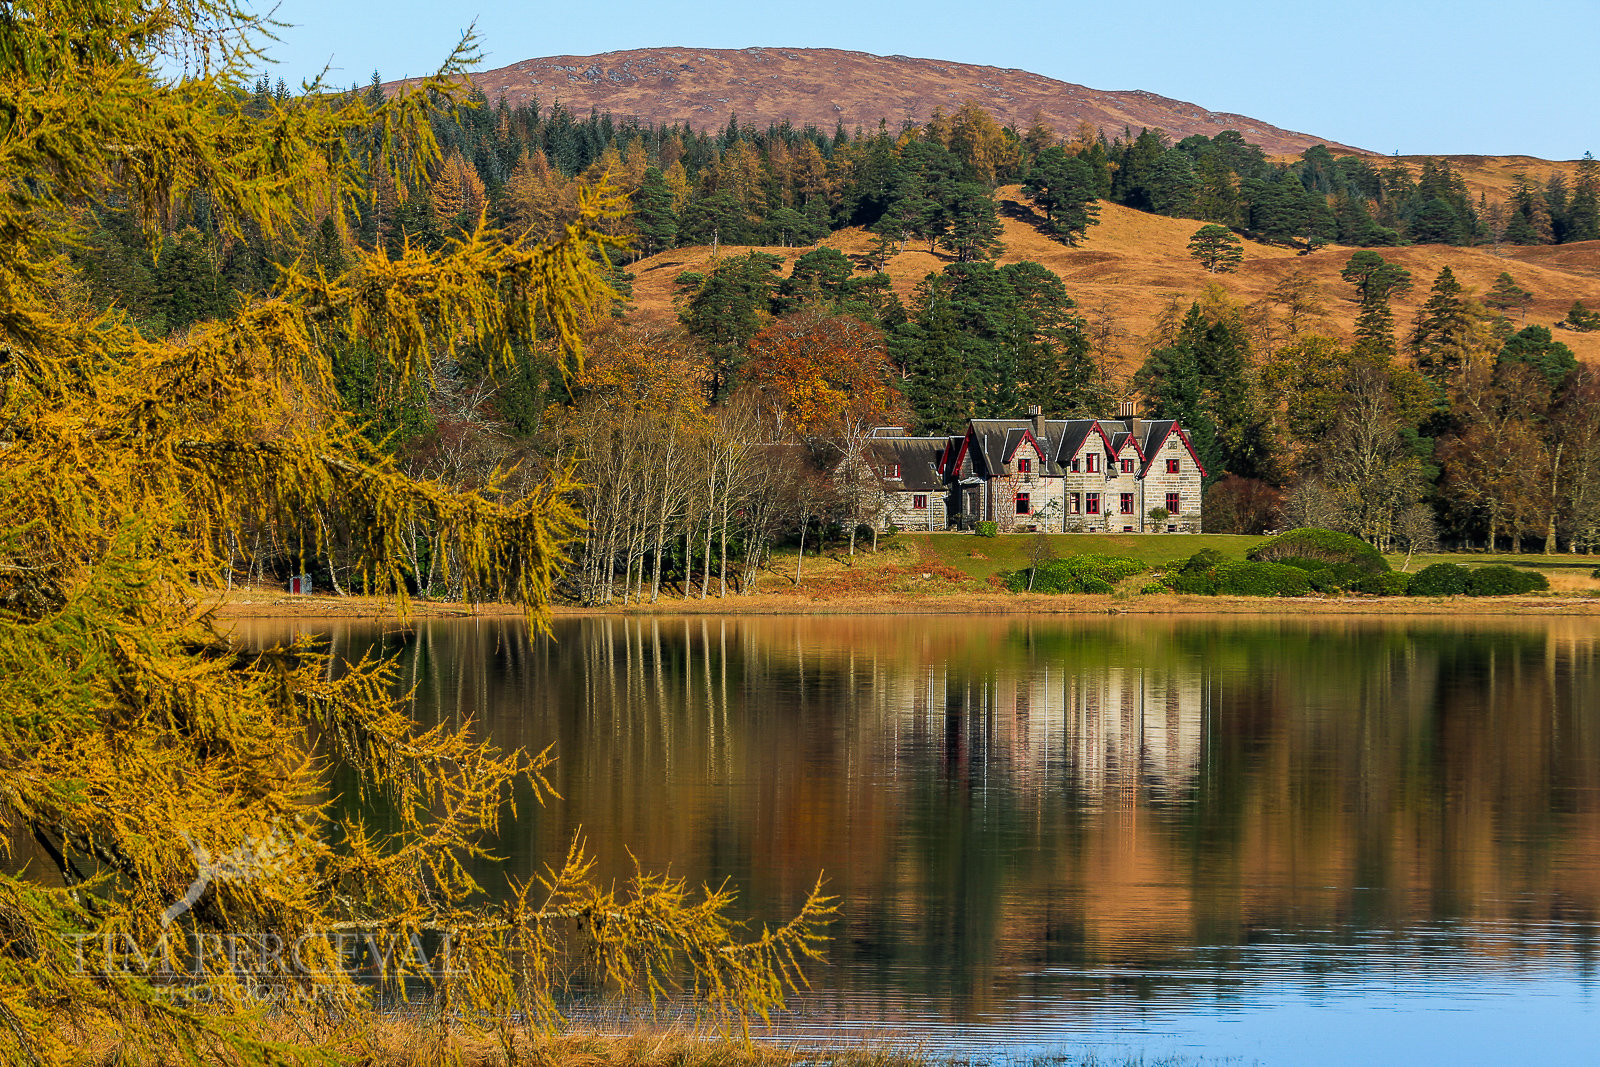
x,y
918,458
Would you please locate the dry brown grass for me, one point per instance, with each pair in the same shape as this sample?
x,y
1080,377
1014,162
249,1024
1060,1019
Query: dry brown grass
x,y
408,1041
1133,263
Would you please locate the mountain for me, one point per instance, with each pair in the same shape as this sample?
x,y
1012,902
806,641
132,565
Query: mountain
x,y
826,86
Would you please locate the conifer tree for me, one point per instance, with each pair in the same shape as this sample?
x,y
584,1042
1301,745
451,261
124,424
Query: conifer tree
x,y
1063,186
653,215
1376,280
175,785
1217,248
1441,331
1506,294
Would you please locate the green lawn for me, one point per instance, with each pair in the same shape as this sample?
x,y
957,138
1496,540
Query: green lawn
x,y
983,556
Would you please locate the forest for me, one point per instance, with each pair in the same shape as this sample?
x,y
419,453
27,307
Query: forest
x,y
702,442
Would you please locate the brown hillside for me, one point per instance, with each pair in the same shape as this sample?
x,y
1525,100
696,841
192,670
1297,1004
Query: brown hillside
x,y
1132,263
826,86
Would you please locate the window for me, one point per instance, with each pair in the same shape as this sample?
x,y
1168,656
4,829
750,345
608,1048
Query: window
x,y
1024,466
1172,466
919,502
891,470
1127,503
1127,466
1024,506
1075,464
1173,503
1091,463
1076,503
1091,505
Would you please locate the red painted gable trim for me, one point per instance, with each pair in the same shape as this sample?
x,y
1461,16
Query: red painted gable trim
x,y
1176,429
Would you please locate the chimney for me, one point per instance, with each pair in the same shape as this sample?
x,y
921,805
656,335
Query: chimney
x,y
1036,413
1129,413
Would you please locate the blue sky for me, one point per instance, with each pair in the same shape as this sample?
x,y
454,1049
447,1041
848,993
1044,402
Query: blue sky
x,y
1472,76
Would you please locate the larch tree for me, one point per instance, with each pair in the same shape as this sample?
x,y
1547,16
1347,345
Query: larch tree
x,y
167,851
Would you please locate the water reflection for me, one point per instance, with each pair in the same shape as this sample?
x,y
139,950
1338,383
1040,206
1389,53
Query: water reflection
x,y
1095,827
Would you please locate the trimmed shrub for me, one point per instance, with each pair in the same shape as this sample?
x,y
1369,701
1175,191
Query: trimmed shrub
x,y
1261,579
1500,580
987,529
1440,579
1076,574
1326,546
1210,573
1391,583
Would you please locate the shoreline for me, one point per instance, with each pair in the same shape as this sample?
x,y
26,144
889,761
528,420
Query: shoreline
x,y
274,605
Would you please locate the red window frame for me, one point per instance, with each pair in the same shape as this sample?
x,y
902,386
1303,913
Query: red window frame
x,y
919,502
1092,464
1127,466
1127,503
891,470
1172,466
1091,504
1174,501
1024,466
1024,504
1077,503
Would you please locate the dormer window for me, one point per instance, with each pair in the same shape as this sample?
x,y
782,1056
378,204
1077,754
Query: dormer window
x,y
1127,466
1092,463
891,470
1024,466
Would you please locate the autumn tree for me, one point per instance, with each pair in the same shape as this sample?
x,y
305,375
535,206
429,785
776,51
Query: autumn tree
x,y
829,377
164,787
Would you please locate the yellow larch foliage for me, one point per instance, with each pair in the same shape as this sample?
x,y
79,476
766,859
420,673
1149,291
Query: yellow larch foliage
x,y
167,782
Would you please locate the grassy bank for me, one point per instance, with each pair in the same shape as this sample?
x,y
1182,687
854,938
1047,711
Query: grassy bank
x,y
958,573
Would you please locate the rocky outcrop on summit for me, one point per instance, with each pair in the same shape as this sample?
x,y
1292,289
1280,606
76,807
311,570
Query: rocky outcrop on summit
x,y
824,86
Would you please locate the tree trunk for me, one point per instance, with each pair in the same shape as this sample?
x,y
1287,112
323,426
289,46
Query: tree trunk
x,y
800,561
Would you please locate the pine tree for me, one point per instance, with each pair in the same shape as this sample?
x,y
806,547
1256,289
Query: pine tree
x,y
1583,214
1507,294
1063,186
1217,248
975,229
653,215
1441,329
1376,280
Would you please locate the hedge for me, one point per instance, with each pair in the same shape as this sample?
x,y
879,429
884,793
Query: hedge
x,y
1208,573
987,529
1076,574
1501,580
1312,545
1393,583
1440,579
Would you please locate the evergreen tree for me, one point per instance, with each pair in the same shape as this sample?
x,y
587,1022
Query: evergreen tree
x,y
1581,318
726,308
1441,328
1583,214
1535,346
1063,186
1506,294
1170,186
1376,281
974,232
1217,248
653,215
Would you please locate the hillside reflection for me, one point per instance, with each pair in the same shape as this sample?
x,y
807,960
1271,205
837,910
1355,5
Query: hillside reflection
x,y
1068,809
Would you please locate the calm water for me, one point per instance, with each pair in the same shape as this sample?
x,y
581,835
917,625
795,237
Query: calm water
x,y
1287,842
